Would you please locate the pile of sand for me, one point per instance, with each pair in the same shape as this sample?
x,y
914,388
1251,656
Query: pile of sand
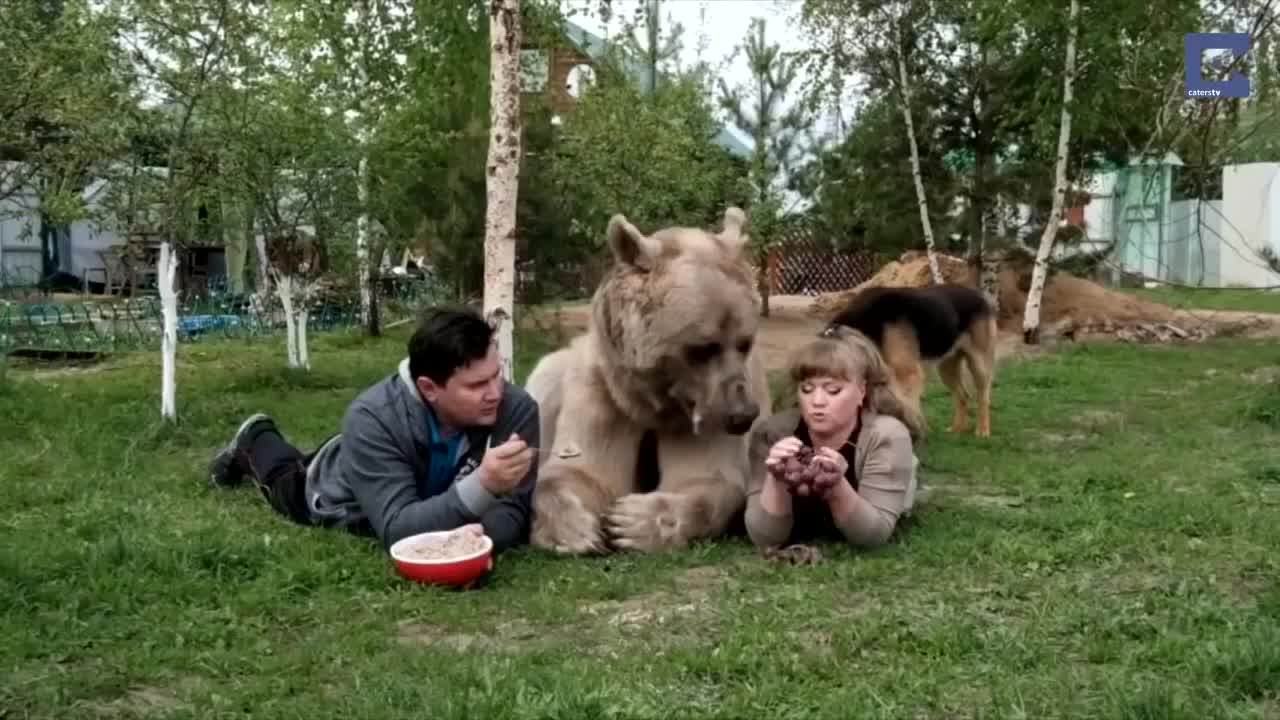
x,y
1068,300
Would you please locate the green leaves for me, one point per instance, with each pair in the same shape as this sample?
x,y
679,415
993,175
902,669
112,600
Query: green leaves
x,y
986,81
64,88
652,158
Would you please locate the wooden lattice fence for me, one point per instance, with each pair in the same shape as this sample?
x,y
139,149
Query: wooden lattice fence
x,y
801,264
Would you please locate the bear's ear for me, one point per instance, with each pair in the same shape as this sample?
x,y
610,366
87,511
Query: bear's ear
x,y
630,246
734,234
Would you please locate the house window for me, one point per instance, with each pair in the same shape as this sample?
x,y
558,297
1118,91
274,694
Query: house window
x,y
533,70
580,77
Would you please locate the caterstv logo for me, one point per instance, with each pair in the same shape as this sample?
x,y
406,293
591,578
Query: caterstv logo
x,y
1236,85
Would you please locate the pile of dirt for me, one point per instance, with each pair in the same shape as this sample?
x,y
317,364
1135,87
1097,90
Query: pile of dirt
x,y
910,270
1083,303
1069,303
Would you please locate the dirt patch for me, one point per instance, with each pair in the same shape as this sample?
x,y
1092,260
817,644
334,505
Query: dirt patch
x,y
49,370
1052,438
148,698
1268,709
816,641
1071,307
145,699
703,579
986,500
1066,297
790,323
977,495
692,598
1098,419
511,635
648,611
1263,376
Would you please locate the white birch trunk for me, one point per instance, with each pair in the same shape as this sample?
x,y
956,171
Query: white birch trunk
x,y
167,276
1031,316
293,293
502,176
264,264
300,327
261,295
362,244
921,199
362,189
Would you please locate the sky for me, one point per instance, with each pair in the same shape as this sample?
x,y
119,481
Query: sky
x,y
727,22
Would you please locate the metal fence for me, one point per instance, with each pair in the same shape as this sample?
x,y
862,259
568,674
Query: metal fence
x,y
42,325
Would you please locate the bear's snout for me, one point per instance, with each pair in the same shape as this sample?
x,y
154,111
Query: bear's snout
x,y
743,409
740,422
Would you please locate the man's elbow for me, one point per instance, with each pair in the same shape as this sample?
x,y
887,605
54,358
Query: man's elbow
x,y
395,528
390,534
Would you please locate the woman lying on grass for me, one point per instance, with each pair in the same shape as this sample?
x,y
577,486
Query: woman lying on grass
x,y
861,477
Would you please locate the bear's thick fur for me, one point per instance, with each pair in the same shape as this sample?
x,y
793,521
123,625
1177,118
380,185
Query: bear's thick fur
x,y
670,349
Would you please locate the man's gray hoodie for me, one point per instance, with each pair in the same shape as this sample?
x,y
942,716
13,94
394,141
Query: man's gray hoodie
x,y
372,475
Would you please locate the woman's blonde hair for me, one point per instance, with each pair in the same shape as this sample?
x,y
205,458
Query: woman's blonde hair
x,y
845,353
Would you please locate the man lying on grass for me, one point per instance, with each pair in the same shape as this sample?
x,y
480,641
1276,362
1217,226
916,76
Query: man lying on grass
x,y
443,442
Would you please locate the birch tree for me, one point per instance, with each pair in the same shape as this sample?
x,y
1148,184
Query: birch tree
x,y
502,182
1031,315
758,108
352,54
182,49
288,157
880,42
904,104
368,319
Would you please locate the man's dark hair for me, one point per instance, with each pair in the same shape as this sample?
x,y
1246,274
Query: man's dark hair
x,y
447,338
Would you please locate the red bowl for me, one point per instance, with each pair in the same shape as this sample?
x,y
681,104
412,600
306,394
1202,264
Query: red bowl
x,y
449,571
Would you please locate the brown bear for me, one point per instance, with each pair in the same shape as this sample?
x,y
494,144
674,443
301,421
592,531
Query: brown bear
x,y
670,351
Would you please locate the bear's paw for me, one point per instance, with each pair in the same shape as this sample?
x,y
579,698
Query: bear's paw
x,y
562,523
648,521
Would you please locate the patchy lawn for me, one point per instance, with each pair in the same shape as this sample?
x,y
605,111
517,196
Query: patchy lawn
x,y
1111,552
1244,299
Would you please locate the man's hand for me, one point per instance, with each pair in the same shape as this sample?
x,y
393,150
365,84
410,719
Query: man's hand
x,y
474,528
478,530
503,466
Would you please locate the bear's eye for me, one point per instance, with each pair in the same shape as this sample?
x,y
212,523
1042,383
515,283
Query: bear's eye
x,y
744,347
699,354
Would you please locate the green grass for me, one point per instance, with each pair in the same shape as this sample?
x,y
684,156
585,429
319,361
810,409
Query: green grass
x,y
1109,553
1223,299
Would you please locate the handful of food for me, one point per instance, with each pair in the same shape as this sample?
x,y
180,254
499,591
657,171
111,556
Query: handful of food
x,y
808,473
794,554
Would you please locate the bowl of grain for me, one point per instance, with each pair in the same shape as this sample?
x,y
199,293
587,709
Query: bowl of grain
x,y
448,557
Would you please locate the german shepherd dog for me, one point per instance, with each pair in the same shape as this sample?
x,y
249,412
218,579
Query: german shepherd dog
x,y
945,326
